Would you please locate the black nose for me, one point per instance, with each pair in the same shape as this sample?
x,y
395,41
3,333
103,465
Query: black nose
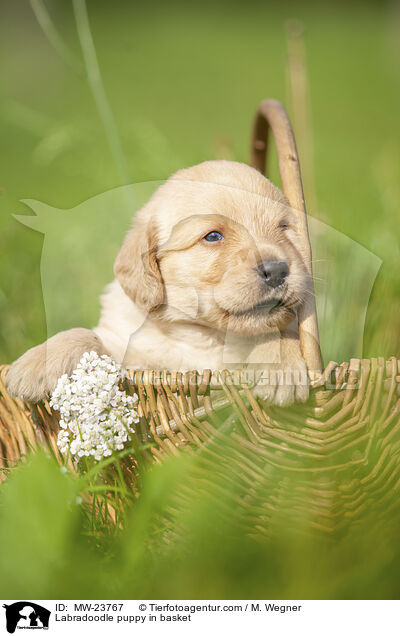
x,y
274,272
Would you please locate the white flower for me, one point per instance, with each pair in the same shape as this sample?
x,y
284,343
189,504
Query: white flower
x,y
96,416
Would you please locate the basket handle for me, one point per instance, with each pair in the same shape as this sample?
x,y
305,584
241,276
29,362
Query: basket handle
x,y
271,114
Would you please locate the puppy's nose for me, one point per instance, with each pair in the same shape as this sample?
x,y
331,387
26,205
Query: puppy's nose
x,y
273,272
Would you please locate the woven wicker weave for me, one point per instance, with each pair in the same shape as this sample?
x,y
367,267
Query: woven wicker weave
x,y
282,457
328,458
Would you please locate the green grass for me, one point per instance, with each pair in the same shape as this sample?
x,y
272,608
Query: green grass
x,y
184,536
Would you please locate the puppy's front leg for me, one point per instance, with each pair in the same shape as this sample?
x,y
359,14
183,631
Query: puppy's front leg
x,y
33,377
286,381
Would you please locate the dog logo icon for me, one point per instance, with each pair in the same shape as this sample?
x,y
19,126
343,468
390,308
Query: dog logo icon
x,y
26,615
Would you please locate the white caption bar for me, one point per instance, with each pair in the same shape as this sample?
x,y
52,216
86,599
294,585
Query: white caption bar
x,y
194,617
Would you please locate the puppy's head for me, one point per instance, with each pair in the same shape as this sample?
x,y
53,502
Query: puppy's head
x,y
216,245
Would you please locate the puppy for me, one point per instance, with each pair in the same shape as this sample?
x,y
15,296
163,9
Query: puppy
x,y
209,277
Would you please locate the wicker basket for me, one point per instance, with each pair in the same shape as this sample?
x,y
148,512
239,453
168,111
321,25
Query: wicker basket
x,y
323,462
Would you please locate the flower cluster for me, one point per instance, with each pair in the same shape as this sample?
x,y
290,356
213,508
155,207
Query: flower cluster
x,y
96,416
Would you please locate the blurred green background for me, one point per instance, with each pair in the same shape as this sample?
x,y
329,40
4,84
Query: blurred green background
x,y
183,82
197,550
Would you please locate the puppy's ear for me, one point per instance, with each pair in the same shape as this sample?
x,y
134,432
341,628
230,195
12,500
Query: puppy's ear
x,y
136,267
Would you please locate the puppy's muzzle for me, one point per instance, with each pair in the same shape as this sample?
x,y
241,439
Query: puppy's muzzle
x,y
274,273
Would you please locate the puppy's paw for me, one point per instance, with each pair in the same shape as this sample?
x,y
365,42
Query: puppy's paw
x,y
33,377
284,384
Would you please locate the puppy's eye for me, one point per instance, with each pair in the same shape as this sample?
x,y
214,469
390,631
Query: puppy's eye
x,y
213,236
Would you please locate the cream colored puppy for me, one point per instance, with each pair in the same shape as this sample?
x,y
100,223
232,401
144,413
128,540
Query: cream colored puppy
x,y
209,277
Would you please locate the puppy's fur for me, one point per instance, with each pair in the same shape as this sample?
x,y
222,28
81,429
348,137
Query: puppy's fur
x,y
179,302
